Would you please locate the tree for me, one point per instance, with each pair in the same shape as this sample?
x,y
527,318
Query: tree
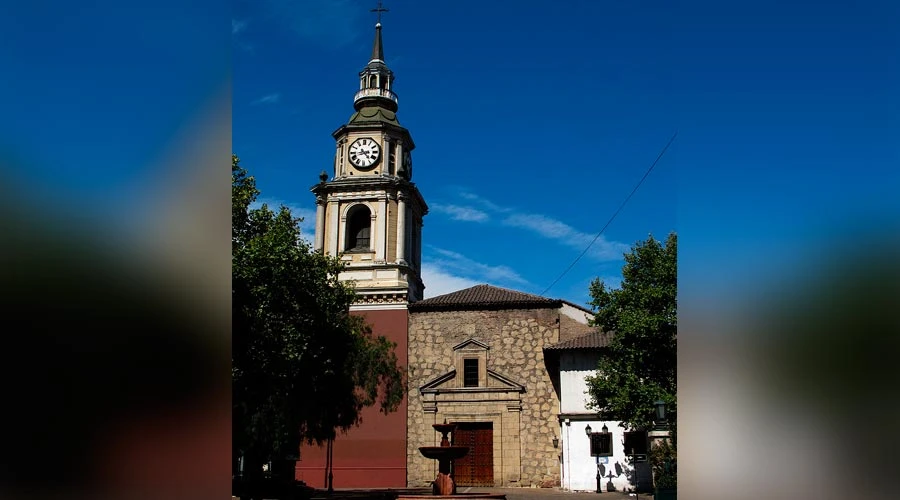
x,y
302,366
639,366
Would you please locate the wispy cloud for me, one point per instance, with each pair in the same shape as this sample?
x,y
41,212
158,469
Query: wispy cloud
x,y
307,225
483,202
542,225
439,281
457,212
268,99
601,249
237,26
462,265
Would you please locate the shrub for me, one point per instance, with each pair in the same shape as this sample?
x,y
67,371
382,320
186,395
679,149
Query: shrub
x,y
663,460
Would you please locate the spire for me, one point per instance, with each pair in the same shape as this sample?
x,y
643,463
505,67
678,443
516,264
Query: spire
x,y
377,50
376,81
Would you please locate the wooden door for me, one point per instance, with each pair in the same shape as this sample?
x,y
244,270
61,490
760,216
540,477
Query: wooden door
x,y
477,467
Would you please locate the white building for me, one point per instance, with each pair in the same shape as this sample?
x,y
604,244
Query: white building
x,y
577,358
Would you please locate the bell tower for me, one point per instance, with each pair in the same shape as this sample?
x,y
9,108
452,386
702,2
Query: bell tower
x,y
368,211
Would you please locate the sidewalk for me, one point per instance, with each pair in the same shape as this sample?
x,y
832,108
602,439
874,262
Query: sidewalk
x,y
511,494
555,494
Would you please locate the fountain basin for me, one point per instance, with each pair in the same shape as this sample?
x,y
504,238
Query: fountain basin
x,y
444,452
444,428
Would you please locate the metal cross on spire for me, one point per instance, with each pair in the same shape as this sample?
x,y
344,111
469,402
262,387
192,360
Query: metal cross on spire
x,y
379,10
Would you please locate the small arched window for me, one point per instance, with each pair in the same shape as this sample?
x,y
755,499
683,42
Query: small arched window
x,y
359,227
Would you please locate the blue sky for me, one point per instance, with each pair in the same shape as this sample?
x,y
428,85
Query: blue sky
x,y
531,126
787,115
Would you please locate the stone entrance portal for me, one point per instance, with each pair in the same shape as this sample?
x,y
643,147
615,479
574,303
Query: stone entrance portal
x,y
477,467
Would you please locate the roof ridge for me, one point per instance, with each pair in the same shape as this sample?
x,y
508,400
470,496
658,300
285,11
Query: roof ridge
x,y
485,295
592,340
518,291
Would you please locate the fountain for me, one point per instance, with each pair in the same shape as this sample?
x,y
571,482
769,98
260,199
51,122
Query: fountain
x,y
445,454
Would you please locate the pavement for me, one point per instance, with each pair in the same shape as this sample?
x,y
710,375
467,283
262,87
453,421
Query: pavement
x,y
555,494
511,494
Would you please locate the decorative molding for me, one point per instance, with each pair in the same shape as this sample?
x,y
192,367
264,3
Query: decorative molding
x,y
580,417
505,380
433,386
349,205
379,307
471,341
381,298
435,382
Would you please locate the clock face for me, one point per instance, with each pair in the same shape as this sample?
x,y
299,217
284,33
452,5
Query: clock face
x,y
364,152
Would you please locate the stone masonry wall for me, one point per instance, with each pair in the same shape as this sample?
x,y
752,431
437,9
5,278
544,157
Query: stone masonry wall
x,y
516,339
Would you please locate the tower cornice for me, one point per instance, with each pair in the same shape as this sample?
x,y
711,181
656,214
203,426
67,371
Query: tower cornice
x,y
376,127
390,184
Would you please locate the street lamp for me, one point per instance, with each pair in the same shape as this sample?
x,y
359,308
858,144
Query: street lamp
x,y
595,451
661,415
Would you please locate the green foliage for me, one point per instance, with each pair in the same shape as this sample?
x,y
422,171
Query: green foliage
x,y
639,366
302,366
664,461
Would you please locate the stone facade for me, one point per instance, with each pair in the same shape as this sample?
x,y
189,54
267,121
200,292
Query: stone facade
x,y
515,391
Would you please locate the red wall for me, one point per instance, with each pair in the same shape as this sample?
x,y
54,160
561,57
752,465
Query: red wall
x,y
372,455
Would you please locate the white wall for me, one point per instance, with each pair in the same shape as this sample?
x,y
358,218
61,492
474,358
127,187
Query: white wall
x,y
575,313
579,468
574,366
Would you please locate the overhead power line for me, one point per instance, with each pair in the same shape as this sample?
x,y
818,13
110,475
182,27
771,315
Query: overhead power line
x,y
638,185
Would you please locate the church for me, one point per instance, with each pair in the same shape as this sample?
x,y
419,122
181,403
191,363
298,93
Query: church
x,y
501,364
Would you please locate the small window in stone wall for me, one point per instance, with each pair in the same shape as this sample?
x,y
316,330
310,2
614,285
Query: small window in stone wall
x,y
470,373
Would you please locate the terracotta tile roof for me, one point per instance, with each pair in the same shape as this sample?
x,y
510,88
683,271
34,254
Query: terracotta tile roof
x,y
484,297
593,340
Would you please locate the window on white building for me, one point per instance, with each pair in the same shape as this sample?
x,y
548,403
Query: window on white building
x,y
601,444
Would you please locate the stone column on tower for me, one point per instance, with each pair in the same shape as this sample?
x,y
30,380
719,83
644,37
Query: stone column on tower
x,y
401,228
320,223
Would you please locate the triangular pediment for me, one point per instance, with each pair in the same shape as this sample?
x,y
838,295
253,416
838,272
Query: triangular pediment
x,y
497,382
470,344
504,381
439,381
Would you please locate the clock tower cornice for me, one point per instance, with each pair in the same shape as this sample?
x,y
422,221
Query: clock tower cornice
x,y
402,132
389,184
